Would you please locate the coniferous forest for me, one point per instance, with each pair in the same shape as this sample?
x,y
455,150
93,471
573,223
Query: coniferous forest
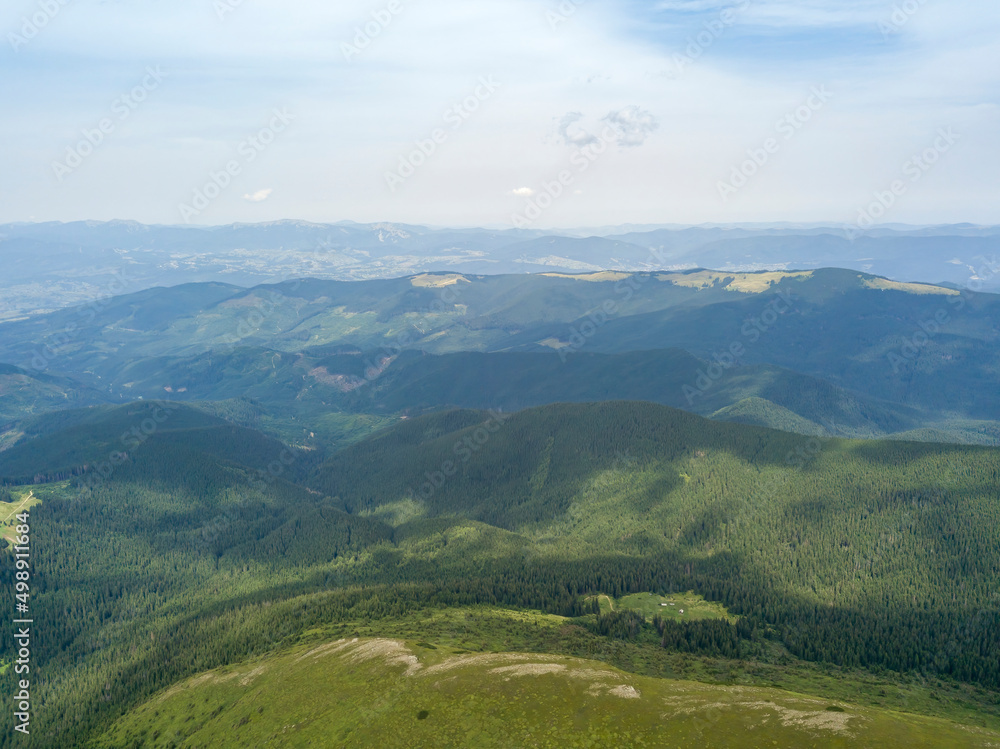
x,y
194,508
209,543
521,374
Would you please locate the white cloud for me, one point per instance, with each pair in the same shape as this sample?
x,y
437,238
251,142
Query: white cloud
x,y
572,133
522,192
633,125
787,13
258,197
892,94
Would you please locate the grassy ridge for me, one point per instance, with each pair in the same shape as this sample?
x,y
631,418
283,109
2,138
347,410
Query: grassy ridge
x,y
390,693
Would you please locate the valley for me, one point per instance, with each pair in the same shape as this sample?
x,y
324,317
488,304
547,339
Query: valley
x,y
525,374
212,509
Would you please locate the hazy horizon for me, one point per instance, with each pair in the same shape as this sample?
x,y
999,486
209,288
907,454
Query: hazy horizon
x,y
536,113
607,228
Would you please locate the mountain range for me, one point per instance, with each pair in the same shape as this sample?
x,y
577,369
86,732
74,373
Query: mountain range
x,y
54,265
768,498
822,351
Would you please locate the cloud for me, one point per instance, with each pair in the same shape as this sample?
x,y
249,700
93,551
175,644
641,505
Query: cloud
x,y
785,13
571,133
692,6
937,68
258,197
633,125
522,192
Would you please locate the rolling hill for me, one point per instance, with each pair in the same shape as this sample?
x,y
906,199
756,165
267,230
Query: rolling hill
x,y
833,558
286,466
453,312
24,392
97,441
389,693
923,357
513,381
907,344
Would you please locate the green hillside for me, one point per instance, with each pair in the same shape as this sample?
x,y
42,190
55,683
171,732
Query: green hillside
x,y
443,312
326,380
891,357
390,693
166,543
968,431
909,344
25,392
97,441
834,563
845,537
672,377
762,412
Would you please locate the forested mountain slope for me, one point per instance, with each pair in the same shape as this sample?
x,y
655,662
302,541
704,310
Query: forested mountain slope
x,y
25,392
933,348
98,441
195,553
512,381
871,356
451,312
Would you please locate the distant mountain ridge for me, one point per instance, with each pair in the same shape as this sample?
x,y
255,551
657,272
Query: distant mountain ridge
x,y
797,350
115,257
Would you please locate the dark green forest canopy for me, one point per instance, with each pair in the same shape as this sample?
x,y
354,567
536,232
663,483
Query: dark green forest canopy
x,y
872,356
192,554
225,473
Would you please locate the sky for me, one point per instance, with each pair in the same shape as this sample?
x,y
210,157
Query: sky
x,y
533,113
